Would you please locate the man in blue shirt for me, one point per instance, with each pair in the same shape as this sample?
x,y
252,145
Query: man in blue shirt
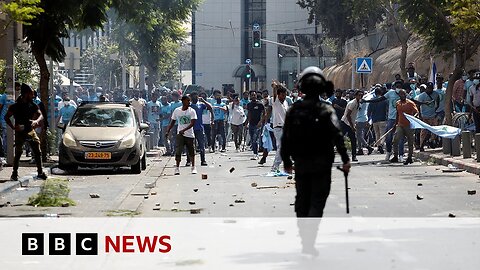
x,y
361,127
428,101
377,113
153,113
392,97
199,108
66,112
165,115
218,128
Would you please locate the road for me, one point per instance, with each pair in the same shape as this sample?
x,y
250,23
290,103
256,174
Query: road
x,y
376,190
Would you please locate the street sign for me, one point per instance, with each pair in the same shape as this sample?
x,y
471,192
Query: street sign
x,y
248,61
364,65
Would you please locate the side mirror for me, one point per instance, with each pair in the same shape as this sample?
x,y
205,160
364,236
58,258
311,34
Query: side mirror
x,y
144,126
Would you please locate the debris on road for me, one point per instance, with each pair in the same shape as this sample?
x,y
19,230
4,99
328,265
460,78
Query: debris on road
x,y
471,192
195,189
280,232
240,201
204,176
232,169
290,177
58,171
420,184
391,193
94,195
65,204
145,197
195,211
451,215
157,204
234,195
254,184
291,183
174,209
153,193
231,205
150,185
191,202
292,204
452,169
419,197
156,209
176,202
267,187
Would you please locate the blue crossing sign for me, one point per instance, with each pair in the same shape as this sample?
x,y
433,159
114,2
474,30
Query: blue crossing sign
x,y
364,65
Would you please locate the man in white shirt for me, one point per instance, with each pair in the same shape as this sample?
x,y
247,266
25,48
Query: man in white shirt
x,y
348,121
186,117
279,107
138,105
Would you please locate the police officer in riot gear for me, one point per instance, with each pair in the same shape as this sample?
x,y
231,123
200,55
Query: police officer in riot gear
x,y
310,133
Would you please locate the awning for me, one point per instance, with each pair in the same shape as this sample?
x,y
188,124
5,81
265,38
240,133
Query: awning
x,y
257,70
66,81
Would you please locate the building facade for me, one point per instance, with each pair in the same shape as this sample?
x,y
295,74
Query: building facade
x,y
222,42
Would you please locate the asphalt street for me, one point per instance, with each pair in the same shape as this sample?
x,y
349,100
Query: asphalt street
x,y
376,190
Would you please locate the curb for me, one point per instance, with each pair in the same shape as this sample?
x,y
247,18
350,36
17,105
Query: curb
x,y
444,160
24,181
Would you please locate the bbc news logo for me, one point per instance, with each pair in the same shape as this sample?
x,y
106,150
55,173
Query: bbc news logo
x,y
87,244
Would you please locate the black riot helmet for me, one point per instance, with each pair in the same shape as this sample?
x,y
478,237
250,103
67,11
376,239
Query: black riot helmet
x,y
313,83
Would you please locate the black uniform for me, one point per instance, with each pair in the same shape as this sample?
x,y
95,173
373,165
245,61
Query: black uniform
x,y
310,133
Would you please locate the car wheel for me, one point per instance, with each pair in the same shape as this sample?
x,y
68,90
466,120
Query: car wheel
x,y
144,162
137,168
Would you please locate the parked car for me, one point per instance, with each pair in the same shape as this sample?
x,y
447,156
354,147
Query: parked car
x,y
103,135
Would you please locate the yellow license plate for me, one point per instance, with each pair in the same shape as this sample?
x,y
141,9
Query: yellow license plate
x,y
98,155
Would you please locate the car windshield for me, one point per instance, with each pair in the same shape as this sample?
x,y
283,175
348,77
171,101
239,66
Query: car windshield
x,y
103,117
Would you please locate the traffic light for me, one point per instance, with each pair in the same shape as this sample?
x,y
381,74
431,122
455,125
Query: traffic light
x,y
257,35
248,72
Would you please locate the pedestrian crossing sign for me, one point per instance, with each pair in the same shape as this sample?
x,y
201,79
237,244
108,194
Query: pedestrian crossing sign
x,y
364,65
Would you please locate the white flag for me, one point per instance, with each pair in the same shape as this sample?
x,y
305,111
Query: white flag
x,y
442,131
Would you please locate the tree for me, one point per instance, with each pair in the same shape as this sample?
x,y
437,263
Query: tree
x,y
21,11
339,20
44,31
152,32
447,28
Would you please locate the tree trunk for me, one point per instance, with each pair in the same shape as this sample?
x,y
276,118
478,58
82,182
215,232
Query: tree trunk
x,y
403,59
457,73
152,77
44,79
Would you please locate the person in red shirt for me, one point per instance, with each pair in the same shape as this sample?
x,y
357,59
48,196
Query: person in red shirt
x,y
402,126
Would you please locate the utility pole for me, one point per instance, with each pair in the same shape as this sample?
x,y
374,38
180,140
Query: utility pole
x,y
10,83
295,48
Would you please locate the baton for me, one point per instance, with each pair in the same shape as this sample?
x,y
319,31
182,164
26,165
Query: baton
x,y
346,187
381,138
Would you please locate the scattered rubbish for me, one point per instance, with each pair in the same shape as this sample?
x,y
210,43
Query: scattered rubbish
x,y
451,215
145,197
232,170
292,204
471,192
375,182
195,211
419,197
280,232
195,189
176,202
174,209
204,176
391,193
214,203
452,169
273,206
191,202
219,165
94,196
223,154
420,184
108,178
150,185
153,193
290,177
157,204
254,184
277,174
208,184
231,205
65,204
266,187
291,183
234,195
58,171
156,209
240,201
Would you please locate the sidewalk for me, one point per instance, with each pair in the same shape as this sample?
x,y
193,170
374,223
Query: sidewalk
x,y
470,165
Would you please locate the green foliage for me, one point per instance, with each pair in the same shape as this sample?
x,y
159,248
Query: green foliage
x,y
26,68
465,15
22,11
53,193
